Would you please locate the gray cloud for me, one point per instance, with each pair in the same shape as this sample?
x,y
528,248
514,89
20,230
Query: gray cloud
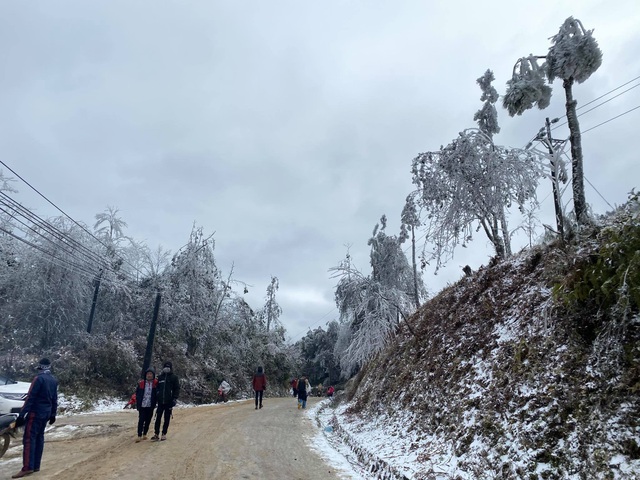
x,y
287,128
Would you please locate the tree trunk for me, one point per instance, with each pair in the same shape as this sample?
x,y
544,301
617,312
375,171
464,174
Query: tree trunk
x,y
577,172
493,235
505,234
415,270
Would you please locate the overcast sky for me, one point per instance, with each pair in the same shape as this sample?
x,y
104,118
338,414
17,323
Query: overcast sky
x,y
288,128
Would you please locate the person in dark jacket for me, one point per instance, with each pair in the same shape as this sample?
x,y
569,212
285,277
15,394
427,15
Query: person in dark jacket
x,y
146,400
168,392
303,388
40,407
259,383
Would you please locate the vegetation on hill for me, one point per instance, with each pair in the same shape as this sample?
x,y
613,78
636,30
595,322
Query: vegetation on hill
x,y
528,368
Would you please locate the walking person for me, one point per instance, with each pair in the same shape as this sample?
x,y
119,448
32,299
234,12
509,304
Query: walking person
x,y
40,407
303,388
259,383
146,400
168,392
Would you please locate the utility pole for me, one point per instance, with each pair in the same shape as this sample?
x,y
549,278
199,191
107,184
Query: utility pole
x,y
152,334
555,178
96,284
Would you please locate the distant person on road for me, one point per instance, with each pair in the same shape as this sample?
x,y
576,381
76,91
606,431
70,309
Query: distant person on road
x,y
39,408
146,400
168,392
294,387
303,388
223,390
259,383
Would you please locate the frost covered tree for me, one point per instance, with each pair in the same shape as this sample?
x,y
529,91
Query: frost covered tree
x,y
371,306
573,56
410,221
193,288
271,311
473,180
317,354
487,116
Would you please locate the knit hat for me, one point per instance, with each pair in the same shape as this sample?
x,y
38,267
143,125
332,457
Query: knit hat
x,y
168,364
44,364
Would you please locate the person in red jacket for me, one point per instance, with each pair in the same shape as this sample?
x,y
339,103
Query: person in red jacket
x,y
259,383
330,391
146,401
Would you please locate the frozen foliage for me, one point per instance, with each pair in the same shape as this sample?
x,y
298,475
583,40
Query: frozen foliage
x,y
574,54
410,221
271,312
573,57
527,87
371,306
472,180
487,116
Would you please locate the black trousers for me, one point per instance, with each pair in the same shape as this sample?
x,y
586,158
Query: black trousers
x,y
145,414
259,396
166,410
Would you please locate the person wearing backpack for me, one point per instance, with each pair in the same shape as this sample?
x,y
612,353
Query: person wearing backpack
x,y
303,388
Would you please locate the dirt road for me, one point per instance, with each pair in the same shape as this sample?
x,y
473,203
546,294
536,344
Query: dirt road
x,y
229,441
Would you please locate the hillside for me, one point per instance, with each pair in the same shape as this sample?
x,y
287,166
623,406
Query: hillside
x,y
528,368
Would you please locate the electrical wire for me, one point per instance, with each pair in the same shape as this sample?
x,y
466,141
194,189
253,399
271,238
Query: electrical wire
x,y
599,105
18,209
65,214
79,269
586,104
613,118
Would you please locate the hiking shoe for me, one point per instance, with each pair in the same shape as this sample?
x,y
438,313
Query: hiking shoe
x,y
260,405
144,437
138,439
299,406
163,438
155,438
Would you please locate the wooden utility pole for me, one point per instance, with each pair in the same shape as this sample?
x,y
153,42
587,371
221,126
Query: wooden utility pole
x,y
152,333
96,285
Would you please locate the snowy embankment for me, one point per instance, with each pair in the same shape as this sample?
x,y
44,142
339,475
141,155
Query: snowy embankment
x,y
503,378
362,450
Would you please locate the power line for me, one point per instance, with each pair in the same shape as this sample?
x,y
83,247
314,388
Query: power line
x,y
599,105
65,214
607,121
80,269
610,91
586,104
43,224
